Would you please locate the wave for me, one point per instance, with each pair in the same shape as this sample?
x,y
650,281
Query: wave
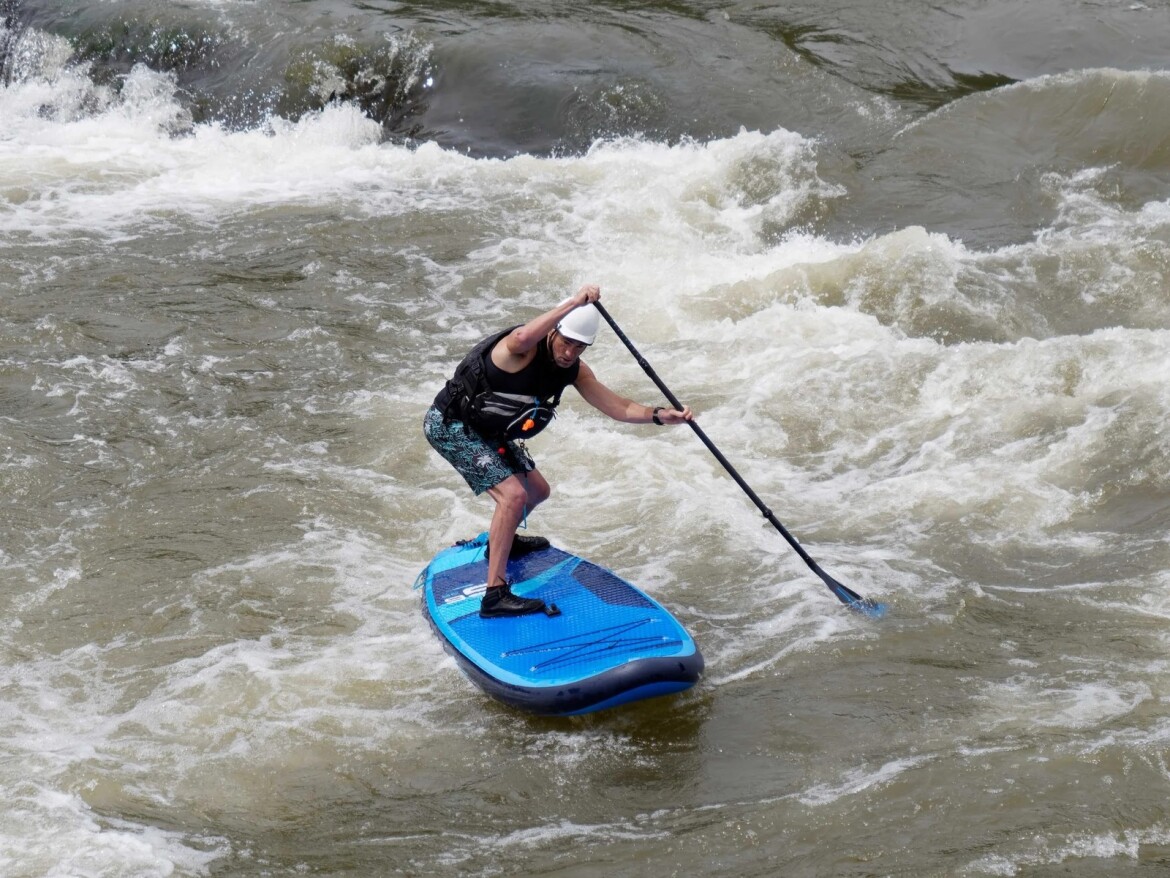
x,y
220,76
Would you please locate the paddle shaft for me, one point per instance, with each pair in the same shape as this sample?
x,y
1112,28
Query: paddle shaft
x,y
844,594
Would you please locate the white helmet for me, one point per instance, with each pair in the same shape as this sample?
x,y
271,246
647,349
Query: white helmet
x,y
580,324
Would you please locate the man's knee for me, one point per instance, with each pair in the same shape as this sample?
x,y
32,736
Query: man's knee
x,y
511,493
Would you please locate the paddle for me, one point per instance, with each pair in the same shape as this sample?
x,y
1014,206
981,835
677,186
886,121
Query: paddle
x,y
846,595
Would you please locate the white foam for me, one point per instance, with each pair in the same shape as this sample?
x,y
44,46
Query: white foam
x,y
552,834
1066,704
1046,851
859,780
46,832
133,163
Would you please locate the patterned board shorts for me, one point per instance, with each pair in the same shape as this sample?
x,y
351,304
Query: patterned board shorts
x,y
482,464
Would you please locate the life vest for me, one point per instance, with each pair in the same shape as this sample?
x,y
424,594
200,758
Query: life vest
x,y
499,415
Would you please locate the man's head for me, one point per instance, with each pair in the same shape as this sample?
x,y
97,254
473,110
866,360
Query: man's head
x,y
573,334
580,324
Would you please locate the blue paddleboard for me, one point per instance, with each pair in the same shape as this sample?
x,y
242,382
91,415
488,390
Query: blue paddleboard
x,y
610,644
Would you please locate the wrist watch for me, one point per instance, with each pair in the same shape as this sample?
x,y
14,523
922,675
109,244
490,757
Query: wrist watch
x,y
654,417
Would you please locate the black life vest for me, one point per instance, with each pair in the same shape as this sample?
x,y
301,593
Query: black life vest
x,y
498,415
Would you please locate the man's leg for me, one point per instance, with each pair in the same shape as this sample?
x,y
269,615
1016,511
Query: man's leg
x,y
514,496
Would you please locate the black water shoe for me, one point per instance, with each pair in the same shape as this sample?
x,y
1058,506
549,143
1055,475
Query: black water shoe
x,y
499,601
522,545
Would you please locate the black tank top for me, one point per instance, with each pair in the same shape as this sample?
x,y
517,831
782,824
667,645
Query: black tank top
x,y
541,377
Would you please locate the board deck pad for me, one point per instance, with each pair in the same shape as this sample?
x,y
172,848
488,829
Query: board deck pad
x,y
610,644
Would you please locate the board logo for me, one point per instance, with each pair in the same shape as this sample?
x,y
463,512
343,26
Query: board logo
x,y
470,591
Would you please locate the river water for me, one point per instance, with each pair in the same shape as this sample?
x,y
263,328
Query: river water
x,y
908,261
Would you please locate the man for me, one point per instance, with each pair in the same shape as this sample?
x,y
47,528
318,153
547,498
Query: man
x,y
505,390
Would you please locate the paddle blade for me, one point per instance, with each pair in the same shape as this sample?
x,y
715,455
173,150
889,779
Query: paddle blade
x,y
852,599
